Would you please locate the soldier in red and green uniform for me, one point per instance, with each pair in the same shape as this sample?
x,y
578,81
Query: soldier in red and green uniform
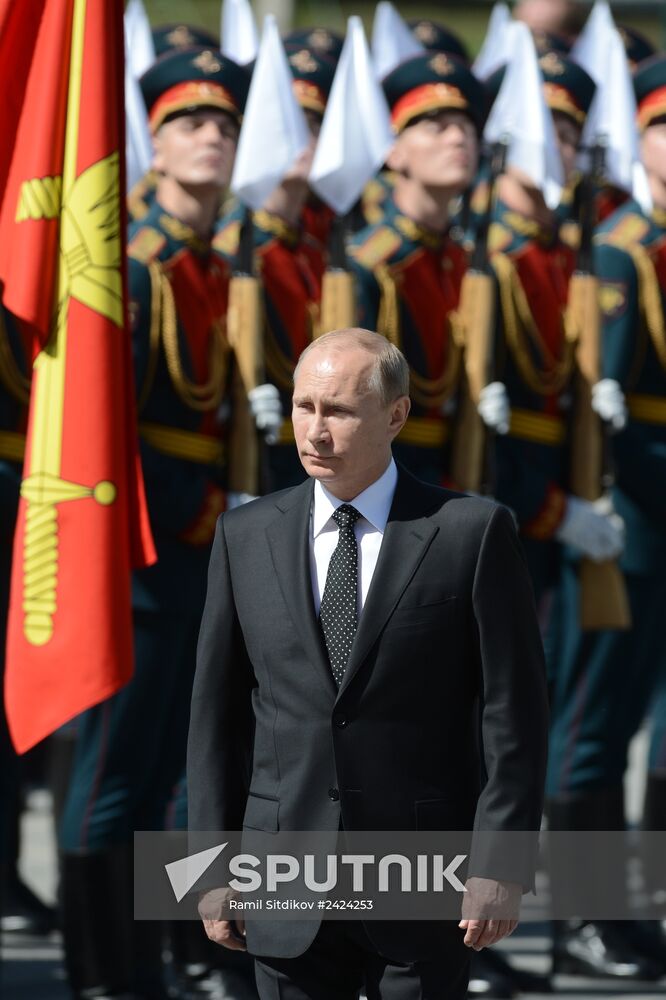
x,y
291,235
606,680
166,38
131,749
534,356
408,271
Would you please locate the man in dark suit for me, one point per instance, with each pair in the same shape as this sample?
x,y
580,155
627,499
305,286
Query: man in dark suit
x,y
369,658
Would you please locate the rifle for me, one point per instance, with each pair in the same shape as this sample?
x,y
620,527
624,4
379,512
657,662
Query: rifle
x,y
603,597
472,453
246,338
338,304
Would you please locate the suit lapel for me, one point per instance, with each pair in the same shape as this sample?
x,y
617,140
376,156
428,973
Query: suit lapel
x,y
406,540
289,540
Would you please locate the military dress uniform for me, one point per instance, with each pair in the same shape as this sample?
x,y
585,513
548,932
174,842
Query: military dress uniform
x,y
613,672
534,356
604,680
289,262
534,360
408,278
618,671
130,750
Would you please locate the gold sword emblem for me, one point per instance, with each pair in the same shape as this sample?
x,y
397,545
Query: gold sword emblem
x,y
89,270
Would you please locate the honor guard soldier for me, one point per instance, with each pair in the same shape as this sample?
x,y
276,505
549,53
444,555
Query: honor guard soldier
x,y
408,270
130,751
605,680
166,38
534,357
290,237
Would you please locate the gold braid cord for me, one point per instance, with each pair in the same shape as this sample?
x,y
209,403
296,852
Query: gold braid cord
x,y
11,375
155,273
650,299
206,395
519,324
424,391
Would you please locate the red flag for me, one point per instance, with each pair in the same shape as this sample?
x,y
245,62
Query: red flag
x,y
82,518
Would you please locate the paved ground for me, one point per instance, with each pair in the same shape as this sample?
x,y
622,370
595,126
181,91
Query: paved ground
x,y
31,968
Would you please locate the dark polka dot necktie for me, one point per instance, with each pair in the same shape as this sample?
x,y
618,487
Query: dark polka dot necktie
x,y
338,604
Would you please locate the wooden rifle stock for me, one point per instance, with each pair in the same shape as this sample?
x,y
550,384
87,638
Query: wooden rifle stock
x,y
477,311
603,597
338,301
246,338
469,460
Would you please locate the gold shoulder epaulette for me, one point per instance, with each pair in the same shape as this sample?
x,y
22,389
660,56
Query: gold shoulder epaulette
x,y
226,239
570,234
380,244
146,244
629,229
499,238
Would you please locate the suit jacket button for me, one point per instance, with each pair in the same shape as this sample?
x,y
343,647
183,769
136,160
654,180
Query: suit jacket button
x,y
333,794
340,721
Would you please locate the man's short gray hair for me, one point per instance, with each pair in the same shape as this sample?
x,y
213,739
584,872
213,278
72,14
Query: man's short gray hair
x,y
390,374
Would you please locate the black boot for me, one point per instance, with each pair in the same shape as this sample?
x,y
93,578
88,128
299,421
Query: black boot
x,y
21,911
654,855
486,979
586,947
202,968
520,980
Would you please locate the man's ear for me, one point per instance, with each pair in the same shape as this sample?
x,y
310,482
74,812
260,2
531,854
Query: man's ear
x,y
399,412
395,160
157,153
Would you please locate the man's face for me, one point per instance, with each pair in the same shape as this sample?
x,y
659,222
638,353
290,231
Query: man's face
x,y
653,150
438,151
568,140
342,428
197,149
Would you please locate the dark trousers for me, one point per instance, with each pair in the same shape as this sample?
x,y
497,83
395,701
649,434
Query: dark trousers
x,y
130,753
342,960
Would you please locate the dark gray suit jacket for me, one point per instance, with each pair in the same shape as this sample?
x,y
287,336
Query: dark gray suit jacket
x,y
447,648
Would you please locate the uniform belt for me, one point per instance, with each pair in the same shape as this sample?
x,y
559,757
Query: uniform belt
x,y
12,446
650,409
177,443
424,432
539,427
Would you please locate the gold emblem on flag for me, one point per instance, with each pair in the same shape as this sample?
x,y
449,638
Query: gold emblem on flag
x,y
207,62
89,271
303,61
441,65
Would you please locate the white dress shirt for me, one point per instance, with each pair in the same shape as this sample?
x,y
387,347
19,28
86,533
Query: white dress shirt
x,y
373,504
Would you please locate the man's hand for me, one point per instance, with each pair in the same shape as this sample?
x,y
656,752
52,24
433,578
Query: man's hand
x,y
490,911
213,909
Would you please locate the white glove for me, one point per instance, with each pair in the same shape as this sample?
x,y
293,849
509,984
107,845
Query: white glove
x,y
238,499
592,528
266,410
494,407
609,403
